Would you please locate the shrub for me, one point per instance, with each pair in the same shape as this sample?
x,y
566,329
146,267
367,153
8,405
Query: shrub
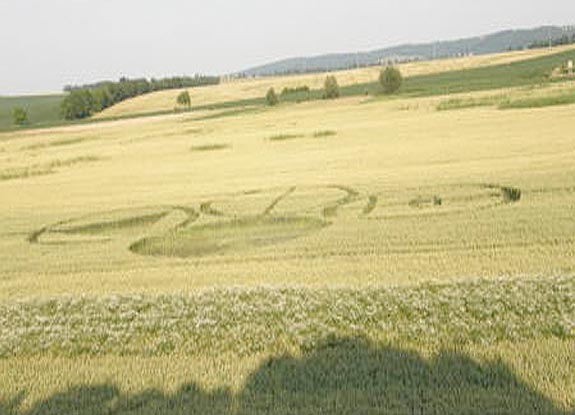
x,y
20,116
272,98
331,88
184,100
390,79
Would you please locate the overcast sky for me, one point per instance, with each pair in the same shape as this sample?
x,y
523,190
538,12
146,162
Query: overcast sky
x,y
45,44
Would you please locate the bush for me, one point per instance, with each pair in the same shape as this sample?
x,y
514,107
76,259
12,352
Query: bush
x,y
184,100
272,98
331,88
390,79
20,116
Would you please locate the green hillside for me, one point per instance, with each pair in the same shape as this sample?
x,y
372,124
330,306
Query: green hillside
x,y
42,109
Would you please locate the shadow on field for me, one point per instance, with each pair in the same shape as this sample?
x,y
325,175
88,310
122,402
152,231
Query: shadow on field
x,y
339,376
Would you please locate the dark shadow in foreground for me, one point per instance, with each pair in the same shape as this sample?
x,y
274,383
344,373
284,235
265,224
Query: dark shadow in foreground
x,y
339,376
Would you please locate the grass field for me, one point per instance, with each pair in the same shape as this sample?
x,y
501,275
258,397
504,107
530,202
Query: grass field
x,y
357,255
43,110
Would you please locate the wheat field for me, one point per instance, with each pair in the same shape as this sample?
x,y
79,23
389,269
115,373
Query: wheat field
x,y
381,254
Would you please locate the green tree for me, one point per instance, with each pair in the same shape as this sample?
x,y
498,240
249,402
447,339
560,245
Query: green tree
x,y
78,104
272,98
184,100
20,116
102,98
331,88
390,79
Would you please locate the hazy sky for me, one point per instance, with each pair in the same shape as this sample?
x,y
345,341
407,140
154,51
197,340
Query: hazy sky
x,y
45,44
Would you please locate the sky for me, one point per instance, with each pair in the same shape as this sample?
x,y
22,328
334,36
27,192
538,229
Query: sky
x,y
46,44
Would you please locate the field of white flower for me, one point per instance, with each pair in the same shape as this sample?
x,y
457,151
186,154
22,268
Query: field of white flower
x,y
274,320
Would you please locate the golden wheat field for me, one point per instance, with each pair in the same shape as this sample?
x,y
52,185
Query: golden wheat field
x,y
371,255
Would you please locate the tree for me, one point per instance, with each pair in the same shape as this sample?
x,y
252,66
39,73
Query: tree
x,y
102,98
331,88
184,100
20,116
78,104
390,79
272,98
85,100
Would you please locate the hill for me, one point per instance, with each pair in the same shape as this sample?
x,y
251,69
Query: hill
x,y
44,110
441,76
478,45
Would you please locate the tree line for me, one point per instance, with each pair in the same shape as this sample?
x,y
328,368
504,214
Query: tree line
x,y
85,100
563,40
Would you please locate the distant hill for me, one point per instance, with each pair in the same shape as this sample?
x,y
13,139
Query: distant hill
x,y
479,45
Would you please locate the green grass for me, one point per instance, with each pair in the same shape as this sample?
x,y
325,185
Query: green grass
x,y
555,99
528,72
296,96
42,110
507,101
522,73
